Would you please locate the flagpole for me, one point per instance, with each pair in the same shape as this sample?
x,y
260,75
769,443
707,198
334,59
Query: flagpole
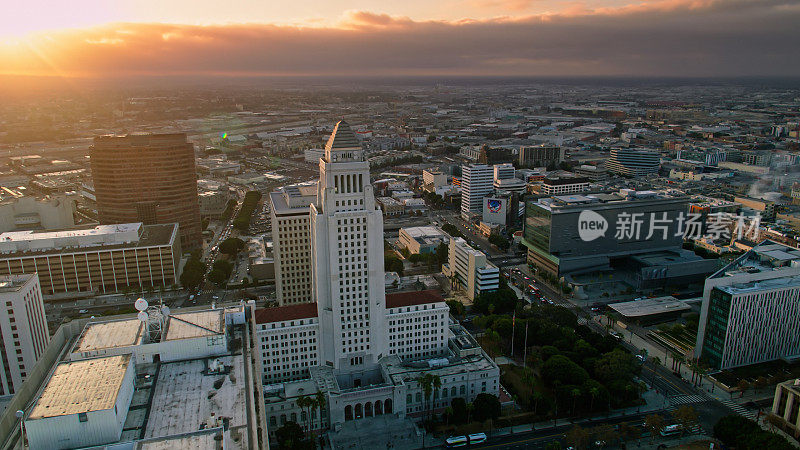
x,y
525,349
513,324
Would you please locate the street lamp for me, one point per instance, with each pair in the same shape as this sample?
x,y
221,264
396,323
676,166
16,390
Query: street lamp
x,y
20,415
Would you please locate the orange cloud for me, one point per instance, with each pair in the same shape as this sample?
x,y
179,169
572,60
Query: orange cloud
x,y
655,38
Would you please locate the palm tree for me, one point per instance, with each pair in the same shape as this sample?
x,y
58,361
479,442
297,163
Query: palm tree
x,y
312,407
470,408
575,394
320,403
437,386
536,396
426,383
302,402
594,392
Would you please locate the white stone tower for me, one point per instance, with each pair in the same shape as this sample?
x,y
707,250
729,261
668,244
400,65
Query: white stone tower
x,y
347,253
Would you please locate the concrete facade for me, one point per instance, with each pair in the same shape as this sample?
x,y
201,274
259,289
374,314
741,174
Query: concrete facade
x,y
104,259
23,329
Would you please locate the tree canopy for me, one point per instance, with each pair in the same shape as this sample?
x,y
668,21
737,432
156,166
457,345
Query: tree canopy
x,y
193,272
487,406
231,246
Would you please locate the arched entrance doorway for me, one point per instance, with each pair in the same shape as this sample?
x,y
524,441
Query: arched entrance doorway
x,y
348,412
359,411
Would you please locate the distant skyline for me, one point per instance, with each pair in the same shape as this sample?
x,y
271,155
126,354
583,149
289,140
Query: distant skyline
x,y
647,38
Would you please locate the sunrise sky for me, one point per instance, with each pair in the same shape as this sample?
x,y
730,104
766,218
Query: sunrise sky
x,y
124,38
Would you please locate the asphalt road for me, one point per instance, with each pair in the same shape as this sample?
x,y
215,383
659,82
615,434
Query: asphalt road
x,y
541,438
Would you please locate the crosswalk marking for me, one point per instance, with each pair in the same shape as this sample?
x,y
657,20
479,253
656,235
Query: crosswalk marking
x,y
687,399
739,409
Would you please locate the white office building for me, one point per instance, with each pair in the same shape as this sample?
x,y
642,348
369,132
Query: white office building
x,y
504,172
23,329
633,162
291,242
751,309
470,270
476,183
564,185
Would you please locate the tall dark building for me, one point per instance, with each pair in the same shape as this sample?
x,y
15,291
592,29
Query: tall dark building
x,y
147,178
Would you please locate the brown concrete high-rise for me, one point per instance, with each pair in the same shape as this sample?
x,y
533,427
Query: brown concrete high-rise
x,y
147,178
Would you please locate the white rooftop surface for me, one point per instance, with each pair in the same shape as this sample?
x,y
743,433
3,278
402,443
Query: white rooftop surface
x,y
183,398
417,232
195,324
81,386
765,257
117,333
466,248
12,241
30,235
762,285
199,441
649,306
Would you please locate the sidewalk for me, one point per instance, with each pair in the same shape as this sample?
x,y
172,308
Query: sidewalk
x,y
655,404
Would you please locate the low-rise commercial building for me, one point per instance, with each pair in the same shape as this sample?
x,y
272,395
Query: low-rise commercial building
x,y
213,203
564,186
102,259
29,213
390,206
648,311
422,239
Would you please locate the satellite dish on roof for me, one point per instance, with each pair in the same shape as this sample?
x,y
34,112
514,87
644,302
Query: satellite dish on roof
x,y
165,311
142,316
140,304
